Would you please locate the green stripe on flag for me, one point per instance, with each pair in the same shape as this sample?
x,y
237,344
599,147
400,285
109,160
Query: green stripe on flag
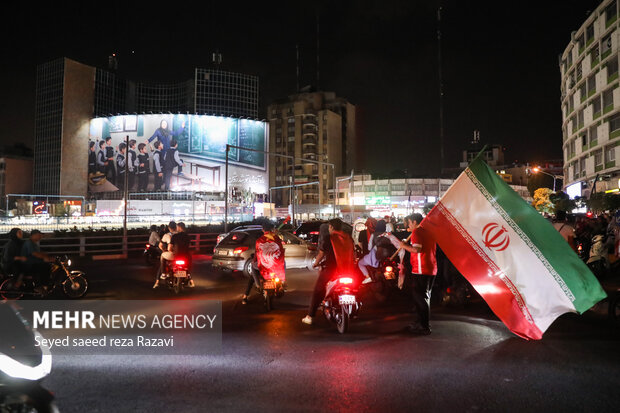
x,y
570,271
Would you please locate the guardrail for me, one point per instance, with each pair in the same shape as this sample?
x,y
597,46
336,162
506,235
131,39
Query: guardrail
x,y
113,245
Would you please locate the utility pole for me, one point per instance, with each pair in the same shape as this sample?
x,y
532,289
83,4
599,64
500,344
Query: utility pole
x,y
226,192
441,137
126,195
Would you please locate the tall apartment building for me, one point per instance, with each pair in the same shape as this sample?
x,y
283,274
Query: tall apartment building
x,y
69,94
591,100
313,126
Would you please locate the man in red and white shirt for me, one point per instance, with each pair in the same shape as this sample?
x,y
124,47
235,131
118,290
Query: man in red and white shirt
x,y
424,268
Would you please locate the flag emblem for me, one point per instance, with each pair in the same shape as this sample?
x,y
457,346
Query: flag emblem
x,y
495,237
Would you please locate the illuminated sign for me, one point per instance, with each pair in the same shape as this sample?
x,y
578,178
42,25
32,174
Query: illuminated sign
x,y
39,207
378,200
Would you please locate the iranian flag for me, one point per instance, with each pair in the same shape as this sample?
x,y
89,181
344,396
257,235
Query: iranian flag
x,y
513,257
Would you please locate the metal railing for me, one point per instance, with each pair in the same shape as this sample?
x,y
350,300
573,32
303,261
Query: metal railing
x,y
83,245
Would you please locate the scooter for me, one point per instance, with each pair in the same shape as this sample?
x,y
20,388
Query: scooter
x,y
271,287
22,366
176,274
73,282
341,301
151,255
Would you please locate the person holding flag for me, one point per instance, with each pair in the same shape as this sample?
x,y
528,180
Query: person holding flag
x,y
269,258
424,269
514,258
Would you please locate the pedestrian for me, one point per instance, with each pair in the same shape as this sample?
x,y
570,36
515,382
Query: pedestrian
x,y
142,167
565,229
389,227
158,170
365,236
171,161
423,248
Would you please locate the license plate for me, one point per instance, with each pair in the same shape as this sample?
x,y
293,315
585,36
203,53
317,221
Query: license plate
x,y
346,299
390,276
180,274
269,285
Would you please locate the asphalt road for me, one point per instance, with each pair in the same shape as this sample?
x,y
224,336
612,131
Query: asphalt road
x,y
273,363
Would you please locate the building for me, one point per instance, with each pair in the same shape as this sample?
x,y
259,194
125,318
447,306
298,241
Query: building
x,y
15,172
70,94
380,197
590,101
310,126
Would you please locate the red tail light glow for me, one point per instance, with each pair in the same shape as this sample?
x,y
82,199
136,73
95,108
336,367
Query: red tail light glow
x,y
180,262
314,232
239,250
148,246
346,280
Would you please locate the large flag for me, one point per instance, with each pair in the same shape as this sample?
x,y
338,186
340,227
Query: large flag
x,y
513,257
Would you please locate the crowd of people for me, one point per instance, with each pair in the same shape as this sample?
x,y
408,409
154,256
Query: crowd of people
x,y
133,159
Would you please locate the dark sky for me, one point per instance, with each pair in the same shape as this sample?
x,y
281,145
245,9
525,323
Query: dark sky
x,y
500,63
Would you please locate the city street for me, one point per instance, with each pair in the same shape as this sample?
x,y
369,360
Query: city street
x,y
272,362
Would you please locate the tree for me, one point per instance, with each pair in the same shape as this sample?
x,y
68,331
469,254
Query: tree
x,y
600,202
562,202
542,203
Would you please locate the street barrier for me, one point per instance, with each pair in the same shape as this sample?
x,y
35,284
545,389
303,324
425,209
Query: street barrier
x,y
113,245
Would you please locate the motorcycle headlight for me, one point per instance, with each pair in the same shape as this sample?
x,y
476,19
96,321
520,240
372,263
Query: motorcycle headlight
x,y
68,263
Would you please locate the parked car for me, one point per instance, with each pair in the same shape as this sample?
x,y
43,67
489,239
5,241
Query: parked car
x,y
236,251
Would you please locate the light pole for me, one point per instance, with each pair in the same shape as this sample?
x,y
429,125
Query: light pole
x,y
537,169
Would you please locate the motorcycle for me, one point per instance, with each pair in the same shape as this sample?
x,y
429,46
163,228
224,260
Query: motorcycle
x,y
598,261
341,301
176,274
384,279
151,255
23,365
73,282
272,286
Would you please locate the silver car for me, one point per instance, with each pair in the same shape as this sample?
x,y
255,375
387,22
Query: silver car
x,y
236,251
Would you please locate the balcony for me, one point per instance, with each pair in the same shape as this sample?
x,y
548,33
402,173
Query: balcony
x,y
309,141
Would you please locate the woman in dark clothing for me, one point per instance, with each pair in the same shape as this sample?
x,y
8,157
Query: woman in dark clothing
x,y
327,261
11,258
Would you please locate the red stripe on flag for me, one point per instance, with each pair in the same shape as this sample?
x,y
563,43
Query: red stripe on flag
x,y
501,296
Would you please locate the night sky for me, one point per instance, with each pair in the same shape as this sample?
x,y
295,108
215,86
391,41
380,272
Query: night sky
x,y
500,64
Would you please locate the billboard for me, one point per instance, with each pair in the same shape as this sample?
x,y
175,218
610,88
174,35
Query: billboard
x,y
201,148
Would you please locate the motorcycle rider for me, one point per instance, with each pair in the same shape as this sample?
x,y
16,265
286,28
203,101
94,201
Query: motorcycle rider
x,y
163,245
37,262
336,253
179,246
12,260
269,257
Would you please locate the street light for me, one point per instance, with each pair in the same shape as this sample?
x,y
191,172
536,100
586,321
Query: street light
x,y
537,169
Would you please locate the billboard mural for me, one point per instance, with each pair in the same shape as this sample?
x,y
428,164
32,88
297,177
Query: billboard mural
x,y
176,152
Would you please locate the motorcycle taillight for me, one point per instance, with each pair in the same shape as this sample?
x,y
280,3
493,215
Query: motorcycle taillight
x,y
180,262
345,280
148,246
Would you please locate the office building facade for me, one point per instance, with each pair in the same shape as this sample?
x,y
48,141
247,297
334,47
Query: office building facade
x,y
69,94
591,101
310,127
